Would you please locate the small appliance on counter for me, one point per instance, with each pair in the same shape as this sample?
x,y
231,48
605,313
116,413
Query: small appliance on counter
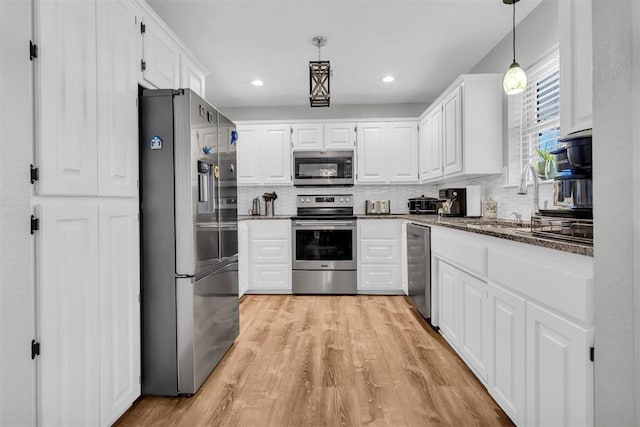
x,y
377,207
269,198
255,207
423,205
453,201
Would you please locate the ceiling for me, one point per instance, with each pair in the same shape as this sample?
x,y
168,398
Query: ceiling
x,y
424,44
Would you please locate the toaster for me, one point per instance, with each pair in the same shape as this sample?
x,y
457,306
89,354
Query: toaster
x,y
423,205
377,207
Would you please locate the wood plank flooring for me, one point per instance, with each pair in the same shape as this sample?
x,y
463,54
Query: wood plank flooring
x,y
329,361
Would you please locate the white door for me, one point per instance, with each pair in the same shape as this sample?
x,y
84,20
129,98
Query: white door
x,y
403,153
68,323
117,82
474,337
424,148
248,155
506,332
191,77
373,162
452,131
307,137
449,294
435,144
66,97
119,307
340,136
161,57
559,372
275,155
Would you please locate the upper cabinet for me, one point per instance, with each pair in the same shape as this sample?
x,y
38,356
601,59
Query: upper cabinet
x,y
191,76
160,56
324,137
387,152
576,65
461,132
264,154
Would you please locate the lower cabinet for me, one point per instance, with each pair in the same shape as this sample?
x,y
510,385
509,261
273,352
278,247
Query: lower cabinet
x,y
269,256
559,371
380,256
449,295
88,315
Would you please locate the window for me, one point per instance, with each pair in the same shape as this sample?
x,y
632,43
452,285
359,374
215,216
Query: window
x,y
534,116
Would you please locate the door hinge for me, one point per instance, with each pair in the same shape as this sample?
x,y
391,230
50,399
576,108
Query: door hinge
x,y
35,224
33,50
143,65
35,349
143,28
592,354
34,174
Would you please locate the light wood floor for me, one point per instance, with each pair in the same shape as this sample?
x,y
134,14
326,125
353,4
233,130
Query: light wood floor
x,y
327,360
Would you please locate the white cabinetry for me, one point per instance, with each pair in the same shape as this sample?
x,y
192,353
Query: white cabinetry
x,y
506,336
379,256
323,137
191,76
339,136
264,155
160,56
387,152
119,268
559,372
307,137
576,65
65,86
269,252
474,342
449,308
465,138
68,320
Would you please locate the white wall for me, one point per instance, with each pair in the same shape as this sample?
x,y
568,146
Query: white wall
x,y
17,324
615,138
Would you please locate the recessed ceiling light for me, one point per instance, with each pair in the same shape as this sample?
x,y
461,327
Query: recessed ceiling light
x,y
388,79
257,82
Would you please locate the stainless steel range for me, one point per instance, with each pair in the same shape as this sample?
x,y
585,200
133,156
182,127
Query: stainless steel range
x,y
324,245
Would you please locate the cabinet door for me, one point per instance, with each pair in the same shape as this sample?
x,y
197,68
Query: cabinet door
x,y
506,382
559,373
340,136
449,295
117,82
452,131
66,97
403,153
249,155
275,155
119,308
576,64
373,162
68,323
307,137
474,340
424,148
191,76
161,57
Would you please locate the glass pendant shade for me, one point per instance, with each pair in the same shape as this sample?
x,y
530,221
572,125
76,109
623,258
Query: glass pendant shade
x,y
515,80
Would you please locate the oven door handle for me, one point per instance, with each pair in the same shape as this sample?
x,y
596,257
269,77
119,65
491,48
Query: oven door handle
x,y
322,223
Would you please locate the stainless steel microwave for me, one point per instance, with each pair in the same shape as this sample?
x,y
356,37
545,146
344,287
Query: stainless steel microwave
x,y
322,168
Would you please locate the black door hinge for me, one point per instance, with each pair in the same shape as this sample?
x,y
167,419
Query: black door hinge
x,y
35,349
33,50
592,354
143,65
35,224
143,28
34,174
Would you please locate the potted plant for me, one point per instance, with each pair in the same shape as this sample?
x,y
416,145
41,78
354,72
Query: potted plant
x,y
546,165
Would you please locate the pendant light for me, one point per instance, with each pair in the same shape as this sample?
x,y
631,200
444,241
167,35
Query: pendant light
x,y
515,79
319,75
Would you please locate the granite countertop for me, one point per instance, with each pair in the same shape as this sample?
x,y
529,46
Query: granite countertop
x,y
504,229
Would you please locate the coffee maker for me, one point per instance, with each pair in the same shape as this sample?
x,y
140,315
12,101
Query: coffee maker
x,y
573,185
453,201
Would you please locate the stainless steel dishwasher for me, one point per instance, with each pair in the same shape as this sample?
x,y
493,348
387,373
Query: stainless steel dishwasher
x,y
419,267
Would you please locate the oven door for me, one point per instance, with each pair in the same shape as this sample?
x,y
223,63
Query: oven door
x,y
324,244
329,168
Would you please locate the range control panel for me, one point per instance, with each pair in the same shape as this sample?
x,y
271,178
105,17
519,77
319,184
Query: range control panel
x,y
325,201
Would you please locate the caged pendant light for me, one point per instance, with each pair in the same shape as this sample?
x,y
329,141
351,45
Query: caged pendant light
x,y
319,74
515,79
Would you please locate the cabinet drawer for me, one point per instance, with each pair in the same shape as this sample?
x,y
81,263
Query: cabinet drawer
x,y
380,229
269,251
270,229
379,277
275,277
379,251
461,248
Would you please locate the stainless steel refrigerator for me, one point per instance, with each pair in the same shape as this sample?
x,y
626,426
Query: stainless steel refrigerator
x,y
189,240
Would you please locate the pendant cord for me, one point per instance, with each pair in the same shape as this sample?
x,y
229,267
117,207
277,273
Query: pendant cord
x,y
319,52
514,31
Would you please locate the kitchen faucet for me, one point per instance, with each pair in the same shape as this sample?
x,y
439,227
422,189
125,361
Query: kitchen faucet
x,y
523,186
